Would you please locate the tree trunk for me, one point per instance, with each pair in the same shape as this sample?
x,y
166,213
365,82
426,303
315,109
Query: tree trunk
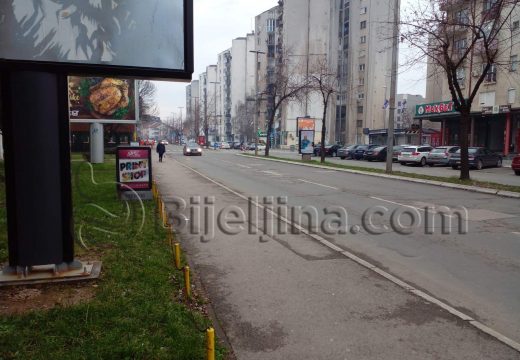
x,y
323,130
464,126
269,127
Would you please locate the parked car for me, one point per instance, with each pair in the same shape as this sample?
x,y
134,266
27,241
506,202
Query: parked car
x,y
192,148
441,155
224,145
360,151
515,165
478,158
377,154
396,149
237,145
414,155
330,150
346,152
164,142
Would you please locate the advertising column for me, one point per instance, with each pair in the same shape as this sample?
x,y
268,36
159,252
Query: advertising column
x,y
134,172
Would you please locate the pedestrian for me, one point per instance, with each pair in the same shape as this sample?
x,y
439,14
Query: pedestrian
x,y
161,149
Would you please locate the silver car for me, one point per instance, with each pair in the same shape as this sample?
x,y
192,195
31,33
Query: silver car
x,y
441,155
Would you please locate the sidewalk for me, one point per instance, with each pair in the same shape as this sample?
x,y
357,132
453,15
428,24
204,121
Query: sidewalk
x,y
290,297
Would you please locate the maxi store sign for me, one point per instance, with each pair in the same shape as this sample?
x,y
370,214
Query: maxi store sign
x,y
437,108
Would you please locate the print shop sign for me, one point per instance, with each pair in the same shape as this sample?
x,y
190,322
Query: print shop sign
x,y
434,108
134,169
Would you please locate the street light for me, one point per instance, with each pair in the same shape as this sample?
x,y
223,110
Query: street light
x,y
256,98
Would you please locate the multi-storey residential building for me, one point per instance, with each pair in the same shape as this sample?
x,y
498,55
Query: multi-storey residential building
x,y
193,112
495,113
224,78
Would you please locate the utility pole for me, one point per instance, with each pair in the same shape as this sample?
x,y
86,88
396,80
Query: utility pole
x,y
393,85
182,127
256,98
215,83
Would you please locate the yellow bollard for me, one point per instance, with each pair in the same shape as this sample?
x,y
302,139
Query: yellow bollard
x,y
187,285
164,215
210,343
170,236
177,254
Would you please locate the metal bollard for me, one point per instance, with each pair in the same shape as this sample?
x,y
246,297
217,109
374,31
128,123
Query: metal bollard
x,y
177,254
210,343
187,284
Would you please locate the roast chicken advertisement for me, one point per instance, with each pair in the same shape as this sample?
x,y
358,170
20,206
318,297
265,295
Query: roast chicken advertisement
x,y
101,98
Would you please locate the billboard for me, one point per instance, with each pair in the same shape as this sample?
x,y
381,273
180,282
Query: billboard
x,y
306,142
304,123
102,99
134,168
152,38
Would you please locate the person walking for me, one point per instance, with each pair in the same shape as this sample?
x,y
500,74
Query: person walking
x,y
161,149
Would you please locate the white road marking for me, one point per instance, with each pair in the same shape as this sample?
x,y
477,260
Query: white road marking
x,y
314,183
516,233
396,203
271,172
244,166
504,339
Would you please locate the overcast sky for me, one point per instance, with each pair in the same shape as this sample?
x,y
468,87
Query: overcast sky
x,y
216,24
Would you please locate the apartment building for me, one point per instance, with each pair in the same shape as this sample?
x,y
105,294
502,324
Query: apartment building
x,y
495,113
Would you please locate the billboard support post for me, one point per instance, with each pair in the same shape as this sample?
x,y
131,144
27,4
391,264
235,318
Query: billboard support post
x,y
37,167
97,147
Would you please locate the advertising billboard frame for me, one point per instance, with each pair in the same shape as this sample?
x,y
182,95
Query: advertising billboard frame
x,y
121,186
300,120
136,72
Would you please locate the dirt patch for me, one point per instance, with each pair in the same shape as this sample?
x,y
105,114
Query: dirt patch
x,y
23,299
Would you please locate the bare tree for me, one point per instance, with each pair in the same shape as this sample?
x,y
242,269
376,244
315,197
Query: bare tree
x,y
244,119
289,85
457,38
147,100
324,81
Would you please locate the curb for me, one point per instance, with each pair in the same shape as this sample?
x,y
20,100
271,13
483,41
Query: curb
x,y
477,189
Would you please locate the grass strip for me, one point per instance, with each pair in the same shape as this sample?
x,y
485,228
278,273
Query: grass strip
x,y
136,312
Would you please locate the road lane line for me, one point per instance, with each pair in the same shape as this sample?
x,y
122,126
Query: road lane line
x,y
516,233
314,183
244,166
396,203
271,172
367,265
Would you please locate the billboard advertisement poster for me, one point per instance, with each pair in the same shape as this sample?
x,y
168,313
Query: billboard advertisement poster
x,y
101,99
134,168
306,142
152,38
305,123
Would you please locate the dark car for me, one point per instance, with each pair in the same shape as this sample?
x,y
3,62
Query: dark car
x,y
359,153
397,151
478,158
515,165
237,145
192,148
330,150
346,152
375,154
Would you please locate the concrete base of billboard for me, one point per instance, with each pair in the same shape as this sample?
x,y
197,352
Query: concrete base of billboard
x,y
80,271
138,195
97,146
306,157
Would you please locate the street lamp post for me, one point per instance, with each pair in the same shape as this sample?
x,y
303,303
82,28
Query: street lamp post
x,y
256,98
182,127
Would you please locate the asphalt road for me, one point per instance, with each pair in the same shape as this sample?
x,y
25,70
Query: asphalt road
x,y
503,175
292,297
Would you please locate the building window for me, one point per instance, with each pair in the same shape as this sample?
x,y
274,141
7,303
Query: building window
x,y
360,109
514,63
489,4
271,24
363,10
516,25
461,76
462,17
491,75
361,96
361,81
363,39
487,98
359,123
361,67
363,24
511,96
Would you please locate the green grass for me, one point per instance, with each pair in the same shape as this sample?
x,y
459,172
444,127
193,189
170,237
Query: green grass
x,y
451,179
135,313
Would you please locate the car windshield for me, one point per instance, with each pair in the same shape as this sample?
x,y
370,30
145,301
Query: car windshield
x,y
439,150
470,150
379,148
193,145
409,149
362,147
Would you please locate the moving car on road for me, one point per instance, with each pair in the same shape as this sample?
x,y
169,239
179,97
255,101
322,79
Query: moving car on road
x,y
192,148
414,155
377,154
478,158
441,155
515,165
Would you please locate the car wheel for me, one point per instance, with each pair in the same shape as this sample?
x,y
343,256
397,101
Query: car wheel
x,y
431,165
517,172
454,167
402,163
423,162
479,164
499,163
342,157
